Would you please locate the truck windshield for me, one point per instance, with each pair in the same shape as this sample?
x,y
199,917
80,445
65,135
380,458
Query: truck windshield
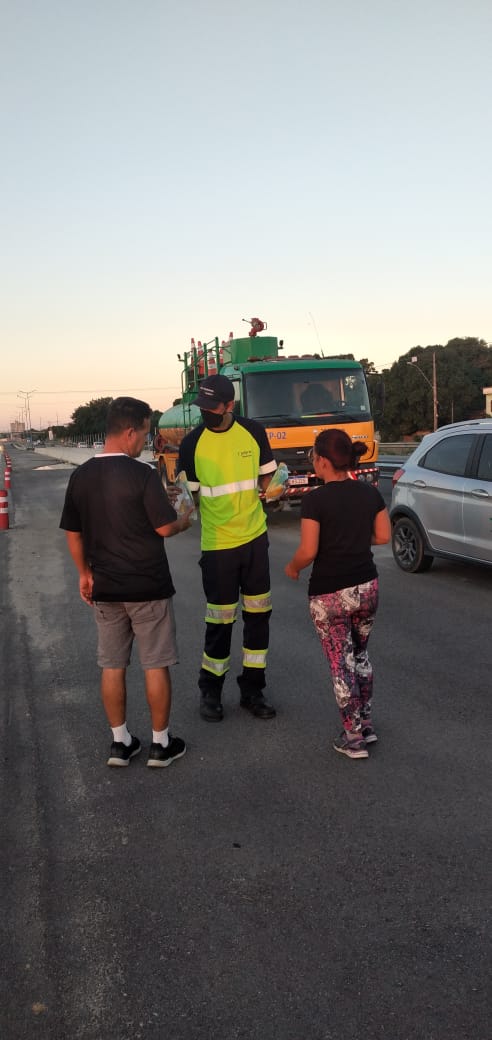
x,y
300,395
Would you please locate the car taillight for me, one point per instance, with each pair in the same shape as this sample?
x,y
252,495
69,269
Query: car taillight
x,y
396,476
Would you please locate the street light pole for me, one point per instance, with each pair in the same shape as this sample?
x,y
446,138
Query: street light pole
x,y
433,385
26,395
434,388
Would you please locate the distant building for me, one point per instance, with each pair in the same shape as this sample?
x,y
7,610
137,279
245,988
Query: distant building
x,y
17,429
487,393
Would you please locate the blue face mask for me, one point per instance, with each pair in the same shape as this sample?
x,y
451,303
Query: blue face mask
x,y
211,419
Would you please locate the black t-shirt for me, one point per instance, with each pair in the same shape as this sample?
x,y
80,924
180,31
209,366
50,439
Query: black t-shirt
x,y
116,503
345,511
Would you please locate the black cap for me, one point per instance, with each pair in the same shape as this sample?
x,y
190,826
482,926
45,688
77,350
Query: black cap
x,y
214,390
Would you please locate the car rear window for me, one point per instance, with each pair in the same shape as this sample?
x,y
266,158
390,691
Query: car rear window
x,y
485,461
450,455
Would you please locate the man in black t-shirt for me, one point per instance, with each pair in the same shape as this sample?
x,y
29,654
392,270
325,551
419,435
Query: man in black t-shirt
x,y
116,515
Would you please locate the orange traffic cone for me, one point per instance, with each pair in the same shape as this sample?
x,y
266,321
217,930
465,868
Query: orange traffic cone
x,y
4,510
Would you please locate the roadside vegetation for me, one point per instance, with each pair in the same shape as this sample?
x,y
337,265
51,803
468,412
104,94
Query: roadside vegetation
x,y
401,396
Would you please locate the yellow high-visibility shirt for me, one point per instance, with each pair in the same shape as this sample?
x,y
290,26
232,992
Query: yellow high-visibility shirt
x,y
225,466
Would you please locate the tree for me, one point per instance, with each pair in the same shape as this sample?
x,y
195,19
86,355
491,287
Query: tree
x,y
368,366
90,418
463,368
60,432
154,420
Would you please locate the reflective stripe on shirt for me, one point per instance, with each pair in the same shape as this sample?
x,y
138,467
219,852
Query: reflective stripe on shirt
x,y
227,489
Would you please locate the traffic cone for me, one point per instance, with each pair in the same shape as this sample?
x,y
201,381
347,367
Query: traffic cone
x,y
7,477
4,510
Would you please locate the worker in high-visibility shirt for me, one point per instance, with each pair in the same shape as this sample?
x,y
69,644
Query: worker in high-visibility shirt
x,y
225,459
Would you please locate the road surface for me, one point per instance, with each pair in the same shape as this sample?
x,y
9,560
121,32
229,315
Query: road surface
x,y
263,887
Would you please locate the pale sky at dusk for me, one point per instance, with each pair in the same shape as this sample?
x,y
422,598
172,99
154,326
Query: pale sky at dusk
x,y
169,169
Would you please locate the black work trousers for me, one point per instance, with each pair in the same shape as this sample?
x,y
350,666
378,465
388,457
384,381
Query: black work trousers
x,y
227,574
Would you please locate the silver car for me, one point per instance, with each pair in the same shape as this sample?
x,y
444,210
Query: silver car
x,y
442,498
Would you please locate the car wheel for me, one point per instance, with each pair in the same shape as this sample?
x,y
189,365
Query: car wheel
x,y
409,547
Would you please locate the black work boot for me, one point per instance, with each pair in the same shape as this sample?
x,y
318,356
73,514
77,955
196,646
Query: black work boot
x,y
252,699
256,704
210,707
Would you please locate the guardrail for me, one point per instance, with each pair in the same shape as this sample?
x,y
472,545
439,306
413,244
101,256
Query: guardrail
x,y
392,456
397,448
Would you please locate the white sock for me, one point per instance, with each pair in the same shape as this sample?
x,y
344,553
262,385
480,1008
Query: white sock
x,y
160,737
121,735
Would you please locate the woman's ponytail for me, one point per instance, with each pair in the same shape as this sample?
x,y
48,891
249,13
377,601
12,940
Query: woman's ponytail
x,y
336,446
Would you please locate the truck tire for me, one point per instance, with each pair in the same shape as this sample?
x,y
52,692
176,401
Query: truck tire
x,y
408,547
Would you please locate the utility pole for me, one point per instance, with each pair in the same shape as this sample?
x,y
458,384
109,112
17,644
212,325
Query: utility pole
x,y
26,395
434,388
433,385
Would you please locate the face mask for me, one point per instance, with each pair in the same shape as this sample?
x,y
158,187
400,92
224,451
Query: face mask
x,y
211,419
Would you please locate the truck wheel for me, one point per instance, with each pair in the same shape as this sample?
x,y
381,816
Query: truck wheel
x,y
408,547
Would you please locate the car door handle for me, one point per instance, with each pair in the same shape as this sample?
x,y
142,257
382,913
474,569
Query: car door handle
x,y
419,483
480,493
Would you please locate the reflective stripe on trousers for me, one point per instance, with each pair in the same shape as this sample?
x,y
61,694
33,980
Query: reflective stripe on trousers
x,y
221,613
254,658
258,604
217,667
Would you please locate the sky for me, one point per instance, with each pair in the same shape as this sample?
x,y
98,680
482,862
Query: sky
x,y
169,169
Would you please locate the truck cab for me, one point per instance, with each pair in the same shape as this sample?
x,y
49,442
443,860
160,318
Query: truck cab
x,y
294,397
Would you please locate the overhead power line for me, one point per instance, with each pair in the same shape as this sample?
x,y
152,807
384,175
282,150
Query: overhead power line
x,y
124,390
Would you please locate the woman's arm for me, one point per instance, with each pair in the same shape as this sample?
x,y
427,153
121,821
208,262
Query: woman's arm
x,y
306,551
381,528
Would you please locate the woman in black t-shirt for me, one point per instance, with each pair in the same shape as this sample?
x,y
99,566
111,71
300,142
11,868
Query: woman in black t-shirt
x,y
339,522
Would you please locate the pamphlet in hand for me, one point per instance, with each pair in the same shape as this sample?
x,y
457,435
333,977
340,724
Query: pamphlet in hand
x,y
277,484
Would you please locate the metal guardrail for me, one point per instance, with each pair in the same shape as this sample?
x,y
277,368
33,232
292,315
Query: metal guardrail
x,y
397,447
387,468
393,455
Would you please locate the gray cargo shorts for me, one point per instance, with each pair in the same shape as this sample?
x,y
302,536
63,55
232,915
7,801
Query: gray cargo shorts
x,y
150,623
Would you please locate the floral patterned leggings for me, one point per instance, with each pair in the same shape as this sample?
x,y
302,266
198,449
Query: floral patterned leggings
x,y
343,621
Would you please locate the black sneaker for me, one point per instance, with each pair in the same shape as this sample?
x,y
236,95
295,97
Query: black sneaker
x,y
351,748
121,753
160,757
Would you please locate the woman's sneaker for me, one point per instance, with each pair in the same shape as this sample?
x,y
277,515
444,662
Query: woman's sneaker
x,y
351,748
121,754
161,757
368,733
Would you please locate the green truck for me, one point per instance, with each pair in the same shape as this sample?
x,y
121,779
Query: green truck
x,y
293,396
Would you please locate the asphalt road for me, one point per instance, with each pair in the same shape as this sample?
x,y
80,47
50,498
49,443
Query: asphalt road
x,y
263,887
